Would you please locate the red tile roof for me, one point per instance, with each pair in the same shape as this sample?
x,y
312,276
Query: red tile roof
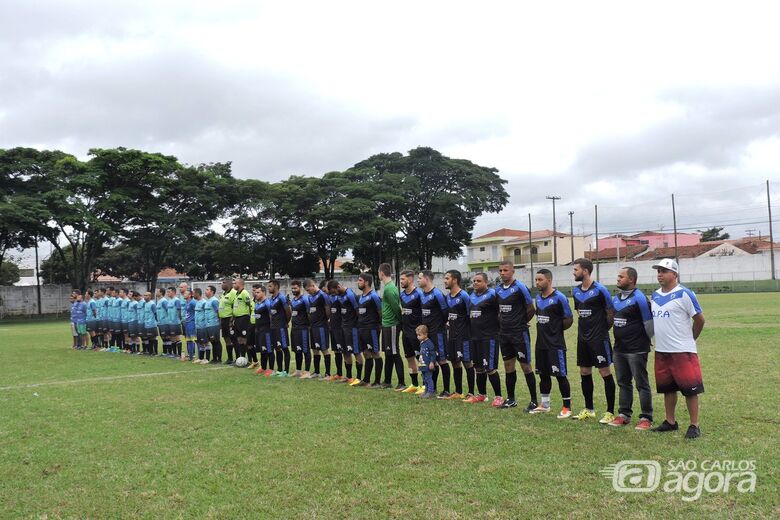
x,y
517,233
610,253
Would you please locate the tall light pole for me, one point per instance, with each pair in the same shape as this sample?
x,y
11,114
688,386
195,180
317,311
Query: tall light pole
x,y
571,232
553,198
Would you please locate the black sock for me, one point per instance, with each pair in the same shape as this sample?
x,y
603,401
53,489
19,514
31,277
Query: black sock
x,y
445,376
298,360
307,360
216,350
264,360
279,360
200,353
389,368
530,380
609,390
156,345
339,360
178,348
587,390
399,369
327,365
470,377
563,385
457,373
482,383
369,369
229,350
545,384
317,364
415,378
286,353
348,367
359,370
378,362
511,381
495,382
434,378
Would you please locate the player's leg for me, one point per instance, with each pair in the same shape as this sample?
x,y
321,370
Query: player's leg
x,y
376,352
585,362
492,372
411,351
524,356
509,353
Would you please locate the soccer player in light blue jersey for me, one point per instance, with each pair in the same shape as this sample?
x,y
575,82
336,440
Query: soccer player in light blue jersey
x,y
189,324
201,329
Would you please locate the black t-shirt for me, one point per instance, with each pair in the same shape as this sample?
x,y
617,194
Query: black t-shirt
x,y
300,312
483,315
550,313
631,311
278,310
262,315
591,307
317,304
433,309
411,315
349,309
512,304
458,316
335,312
370,311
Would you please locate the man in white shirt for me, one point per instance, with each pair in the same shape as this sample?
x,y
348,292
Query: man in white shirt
x,y
677,320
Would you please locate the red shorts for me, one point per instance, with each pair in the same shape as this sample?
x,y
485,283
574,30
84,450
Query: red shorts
x,y
678,372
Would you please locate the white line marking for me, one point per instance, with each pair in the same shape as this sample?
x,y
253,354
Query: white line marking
x,y
107,378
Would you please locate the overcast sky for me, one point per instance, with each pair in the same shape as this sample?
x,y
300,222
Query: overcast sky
x,y
599,103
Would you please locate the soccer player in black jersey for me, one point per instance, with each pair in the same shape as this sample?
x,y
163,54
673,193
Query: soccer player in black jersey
x,y
369,327
483,320
433,311
458,338
348,305
280,317
410,318
336,331
299,332
319,313
593,304
516,308
553,316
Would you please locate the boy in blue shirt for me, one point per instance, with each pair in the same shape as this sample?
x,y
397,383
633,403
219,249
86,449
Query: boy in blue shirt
x,y
428,359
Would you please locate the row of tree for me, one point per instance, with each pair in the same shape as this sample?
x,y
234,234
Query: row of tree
x,y
130,213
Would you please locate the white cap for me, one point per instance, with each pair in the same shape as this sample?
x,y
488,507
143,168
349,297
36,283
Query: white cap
x,y
667,263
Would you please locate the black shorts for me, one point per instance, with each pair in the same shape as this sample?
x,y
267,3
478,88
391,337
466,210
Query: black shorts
x,y
92,326
300,340
390,337
368,340
250,335
351,340
459,349
280,338
264,341
241,326
202,335
320,338
594,353
516,346
485,353
411,344
337,339
213,332
441,346
228,333
150,332
551,362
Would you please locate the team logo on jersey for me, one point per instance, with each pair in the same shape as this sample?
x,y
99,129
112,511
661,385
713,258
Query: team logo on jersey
x,y
590,293
554,369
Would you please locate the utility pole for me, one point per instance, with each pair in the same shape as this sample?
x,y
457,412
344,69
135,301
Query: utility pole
x,y
38,278
771,235
531,249
553,198
596,208
750,232
571,231
674,220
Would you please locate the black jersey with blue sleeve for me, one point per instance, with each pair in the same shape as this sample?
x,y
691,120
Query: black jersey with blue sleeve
x,y
592,306
550,313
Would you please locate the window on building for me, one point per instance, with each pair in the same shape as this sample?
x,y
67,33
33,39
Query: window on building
x,y
481,249
546,242
494,250
535,250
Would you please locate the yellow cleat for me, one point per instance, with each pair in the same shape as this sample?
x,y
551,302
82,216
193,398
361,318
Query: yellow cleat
x,y
420,390
409,389
607,418
584,415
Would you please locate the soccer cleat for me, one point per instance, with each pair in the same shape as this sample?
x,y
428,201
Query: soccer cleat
x,y
620,420
268,372
400,388
409,389
363,384
385,386
565,413
530,408
497,402
540,409
259,371
509,403
355,381
420,390
584,415
253,364
455,397
666,426
376,386
693,432
644,424
480,398
427,395
297,373
607,418
306,375
443,395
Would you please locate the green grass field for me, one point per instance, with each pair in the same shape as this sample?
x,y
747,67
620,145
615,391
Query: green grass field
x,y
190,441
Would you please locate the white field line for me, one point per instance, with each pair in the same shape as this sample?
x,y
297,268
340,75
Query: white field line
x,y
107,378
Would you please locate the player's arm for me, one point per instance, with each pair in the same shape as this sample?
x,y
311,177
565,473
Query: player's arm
x,y
647,316
568,317
698,324
443,306
378,305
326,301
287,308
608,303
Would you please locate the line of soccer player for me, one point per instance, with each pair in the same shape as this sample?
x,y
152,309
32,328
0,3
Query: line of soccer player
x,y
446,333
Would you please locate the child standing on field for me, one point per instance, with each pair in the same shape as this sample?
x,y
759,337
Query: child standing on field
x,y
427,361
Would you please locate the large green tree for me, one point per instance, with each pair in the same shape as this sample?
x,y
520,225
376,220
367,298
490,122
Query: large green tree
x,y
9,273
713,234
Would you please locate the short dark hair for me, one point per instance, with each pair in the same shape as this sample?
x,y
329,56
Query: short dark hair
x,y
323,284
546,273
198,291
123,290
307,282
506,262
455,274
585,264
171,289
89,293
76,292
408,273
481,275
385,269
110,287
427,273
632,274
296,282
213,289
256,285
275,283
332,284
368,278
